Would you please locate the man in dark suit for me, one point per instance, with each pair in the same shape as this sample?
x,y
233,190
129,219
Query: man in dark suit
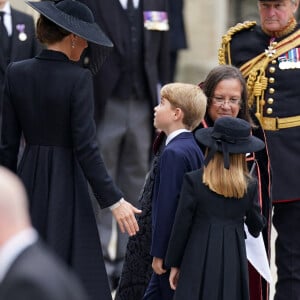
x,y
27,269
17,39
126,92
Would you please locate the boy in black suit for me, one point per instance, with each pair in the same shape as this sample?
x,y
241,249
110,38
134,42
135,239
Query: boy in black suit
x,y
181,109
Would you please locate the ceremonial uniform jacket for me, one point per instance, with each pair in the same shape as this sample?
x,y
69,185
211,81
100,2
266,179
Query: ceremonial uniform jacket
x,y
280,114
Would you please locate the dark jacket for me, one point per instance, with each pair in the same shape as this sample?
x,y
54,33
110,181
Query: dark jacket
x,y
37,274
281,100
181,155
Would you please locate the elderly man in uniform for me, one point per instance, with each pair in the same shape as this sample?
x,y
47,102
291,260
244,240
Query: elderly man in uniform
x,y
269,57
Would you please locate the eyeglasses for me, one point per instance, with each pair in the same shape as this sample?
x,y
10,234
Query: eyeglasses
x,y
220,101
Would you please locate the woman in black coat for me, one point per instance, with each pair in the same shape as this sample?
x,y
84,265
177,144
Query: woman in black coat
x,y
49,100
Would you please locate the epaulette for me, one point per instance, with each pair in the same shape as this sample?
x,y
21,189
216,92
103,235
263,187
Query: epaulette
x,y
224,56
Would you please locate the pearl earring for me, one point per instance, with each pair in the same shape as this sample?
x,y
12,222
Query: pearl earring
x,y
73,44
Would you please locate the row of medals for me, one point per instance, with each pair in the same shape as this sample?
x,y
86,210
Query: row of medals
x,y
285,64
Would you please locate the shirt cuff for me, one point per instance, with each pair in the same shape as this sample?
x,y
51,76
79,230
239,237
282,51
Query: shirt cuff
x,y
117,204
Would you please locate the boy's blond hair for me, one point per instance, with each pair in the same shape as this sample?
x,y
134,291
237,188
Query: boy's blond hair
x,y
189,98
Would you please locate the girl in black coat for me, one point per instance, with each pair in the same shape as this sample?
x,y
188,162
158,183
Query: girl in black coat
x,y
207,246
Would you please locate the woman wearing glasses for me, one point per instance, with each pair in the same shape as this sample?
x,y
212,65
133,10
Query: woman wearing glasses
x,y
226,93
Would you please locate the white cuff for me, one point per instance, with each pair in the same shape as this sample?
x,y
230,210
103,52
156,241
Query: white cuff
x,y
117,204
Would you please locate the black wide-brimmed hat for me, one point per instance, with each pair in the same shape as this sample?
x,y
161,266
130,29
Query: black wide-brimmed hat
x,y
228,135
76,18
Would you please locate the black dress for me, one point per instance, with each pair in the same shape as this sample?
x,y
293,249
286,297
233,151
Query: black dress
x,y
207,241
137,267
49,100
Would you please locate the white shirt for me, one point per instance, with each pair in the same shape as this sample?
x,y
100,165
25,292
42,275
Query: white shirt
x,y
124,3
173,134
7,18
14,247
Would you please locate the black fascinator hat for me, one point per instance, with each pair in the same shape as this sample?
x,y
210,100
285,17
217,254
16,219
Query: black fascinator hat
x,y
76,18
228,135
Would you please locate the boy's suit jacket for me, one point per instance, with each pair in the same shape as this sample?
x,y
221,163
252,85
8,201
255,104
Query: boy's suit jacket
x,y
113,19
181,155
37,274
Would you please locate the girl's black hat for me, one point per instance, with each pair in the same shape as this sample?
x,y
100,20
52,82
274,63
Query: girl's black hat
x,y
228,135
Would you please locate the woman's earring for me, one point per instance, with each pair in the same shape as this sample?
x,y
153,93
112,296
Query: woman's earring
x,y
73,44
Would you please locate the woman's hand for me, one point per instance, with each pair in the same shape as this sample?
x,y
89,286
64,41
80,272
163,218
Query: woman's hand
x,y
124,214
173,278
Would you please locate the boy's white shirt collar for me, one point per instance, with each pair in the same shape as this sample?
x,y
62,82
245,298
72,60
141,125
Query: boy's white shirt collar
x,y
124,3
173,134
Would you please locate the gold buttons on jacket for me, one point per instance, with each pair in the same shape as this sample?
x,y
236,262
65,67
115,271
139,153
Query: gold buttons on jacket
x,y
272,69
270,101
271,90
271,80
269,111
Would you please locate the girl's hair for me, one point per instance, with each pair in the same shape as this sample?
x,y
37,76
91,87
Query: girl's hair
x,y
189,98
48,32
230,182
225,72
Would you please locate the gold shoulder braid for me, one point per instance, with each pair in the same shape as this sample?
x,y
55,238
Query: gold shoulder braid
x,y
224,55
254,70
